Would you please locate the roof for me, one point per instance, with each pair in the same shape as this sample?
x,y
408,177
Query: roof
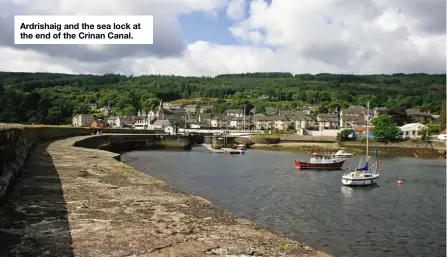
x,y
354,119
362,129
220,117
162,122
84,115
287,112
354,110
305,117
272,118
411,125
191,106
331,117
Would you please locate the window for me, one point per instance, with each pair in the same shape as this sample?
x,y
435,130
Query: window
x,y
413,132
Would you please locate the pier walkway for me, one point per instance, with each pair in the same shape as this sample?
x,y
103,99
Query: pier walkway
x,y
72,201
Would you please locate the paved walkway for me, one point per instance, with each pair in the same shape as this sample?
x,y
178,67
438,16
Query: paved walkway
x,y
80,202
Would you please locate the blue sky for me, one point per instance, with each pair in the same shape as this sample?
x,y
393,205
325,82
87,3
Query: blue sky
x,y
198,26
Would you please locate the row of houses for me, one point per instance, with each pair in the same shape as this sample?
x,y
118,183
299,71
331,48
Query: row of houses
x,y
300,120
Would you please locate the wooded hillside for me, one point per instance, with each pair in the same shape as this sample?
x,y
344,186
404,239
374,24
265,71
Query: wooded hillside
x,y
53,98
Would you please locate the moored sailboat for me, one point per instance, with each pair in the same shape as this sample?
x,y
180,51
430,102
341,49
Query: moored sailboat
x,y
366,174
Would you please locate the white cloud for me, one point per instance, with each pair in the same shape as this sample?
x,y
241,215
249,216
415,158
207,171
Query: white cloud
x,y
236,9
368,36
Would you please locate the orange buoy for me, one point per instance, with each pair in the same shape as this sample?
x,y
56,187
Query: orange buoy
x,y
399,182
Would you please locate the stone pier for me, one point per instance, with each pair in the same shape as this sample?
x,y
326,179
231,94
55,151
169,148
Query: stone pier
x,y
76,201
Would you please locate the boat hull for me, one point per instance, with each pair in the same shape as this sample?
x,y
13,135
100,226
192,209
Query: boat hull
x,y
344,155
321,166
359,181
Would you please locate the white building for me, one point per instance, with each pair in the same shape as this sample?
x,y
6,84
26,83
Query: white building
x,y
82,120
412,130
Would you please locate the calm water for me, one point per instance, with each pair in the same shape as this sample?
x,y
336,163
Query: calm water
x,y
312,206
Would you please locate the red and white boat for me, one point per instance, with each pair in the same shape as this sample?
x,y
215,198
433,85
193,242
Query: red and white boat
x,y
323,162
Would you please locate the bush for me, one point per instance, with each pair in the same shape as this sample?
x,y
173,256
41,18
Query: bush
x,y
344,135
266,139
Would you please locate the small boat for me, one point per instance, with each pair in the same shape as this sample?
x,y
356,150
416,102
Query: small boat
x,y
241,147
319,161
364,175
343,153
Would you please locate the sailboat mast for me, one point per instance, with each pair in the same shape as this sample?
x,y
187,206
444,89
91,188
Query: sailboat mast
x,y
367,130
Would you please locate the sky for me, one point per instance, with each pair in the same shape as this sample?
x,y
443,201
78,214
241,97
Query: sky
x,y
211,37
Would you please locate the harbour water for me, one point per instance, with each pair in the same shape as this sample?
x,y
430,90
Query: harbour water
x,y
312,206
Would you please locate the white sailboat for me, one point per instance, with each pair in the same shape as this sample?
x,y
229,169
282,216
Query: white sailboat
x,y
366,174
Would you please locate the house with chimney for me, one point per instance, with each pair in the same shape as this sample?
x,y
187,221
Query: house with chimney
x,y
328,121
305,123
272,122
352,117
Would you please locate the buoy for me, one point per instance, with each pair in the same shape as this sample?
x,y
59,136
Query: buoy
x,y
380,162
399,182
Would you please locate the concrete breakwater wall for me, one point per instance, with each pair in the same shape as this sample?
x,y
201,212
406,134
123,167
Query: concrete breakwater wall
x,y
122,143
16,141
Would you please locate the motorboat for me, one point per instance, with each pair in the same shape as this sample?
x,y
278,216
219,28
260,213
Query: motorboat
x,y
320,161
343,154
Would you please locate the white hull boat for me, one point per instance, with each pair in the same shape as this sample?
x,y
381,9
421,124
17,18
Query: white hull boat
x,y
368,174
343,154
359,179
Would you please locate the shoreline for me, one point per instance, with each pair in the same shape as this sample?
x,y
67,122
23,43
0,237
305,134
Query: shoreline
x,y
95,205
392,150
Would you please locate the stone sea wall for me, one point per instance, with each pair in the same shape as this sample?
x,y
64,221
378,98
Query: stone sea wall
x,y
16,141
122,143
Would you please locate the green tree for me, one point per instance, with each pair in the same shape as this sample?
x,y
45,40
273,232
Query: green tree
x,y
442,117
385,129
344,134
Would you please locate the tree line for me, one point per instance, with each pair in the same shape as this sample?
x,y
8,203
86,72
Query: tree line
x,y
53,98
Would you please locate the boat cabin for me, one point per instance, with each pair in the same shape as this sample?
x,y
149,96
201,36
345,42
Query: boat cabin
x,y
319,158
